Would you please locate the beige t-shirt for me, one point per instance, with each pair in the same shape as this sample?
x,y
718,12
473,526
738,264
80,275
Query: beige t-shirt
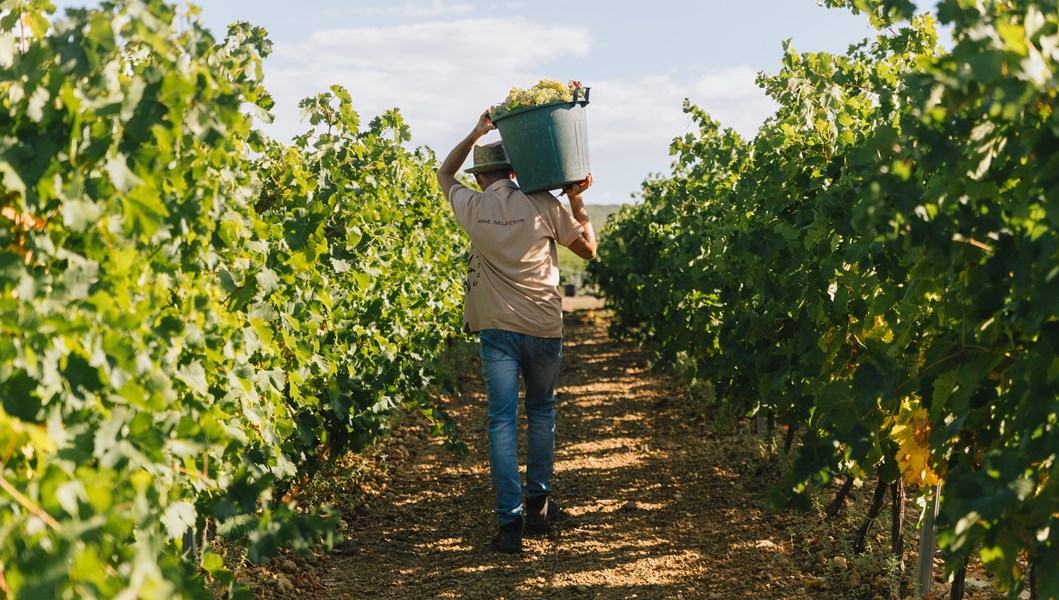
x,y
513,273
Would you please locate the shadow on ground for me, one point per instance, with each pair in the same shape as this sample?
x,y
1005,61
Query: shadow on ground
x,y
654,508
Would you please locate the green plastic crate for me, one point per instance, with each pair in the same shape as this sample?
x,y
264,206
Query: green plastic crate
x,y
547,144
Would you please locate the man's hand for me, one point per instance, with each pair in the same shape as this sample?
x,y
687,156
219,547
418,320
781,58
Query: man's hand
x,y
574,191
452,162
585,245
485,125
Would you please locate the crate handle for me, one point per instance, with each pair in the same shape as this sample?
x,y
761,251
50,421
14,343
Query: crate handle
x,y
577,92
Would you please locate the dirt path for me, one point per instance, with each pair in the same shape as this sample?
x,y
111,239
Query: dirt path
x,y
660,504
656,508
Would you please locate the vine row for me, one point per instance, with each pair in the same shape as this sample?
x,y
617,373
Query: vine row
x,y
192,316
877,269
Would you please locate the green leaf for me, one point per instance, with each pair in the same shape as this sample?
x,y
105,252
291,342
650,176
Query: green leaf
x,y
120,174
178,518
19,396
144,211
80,214
194,376
79,277
82,377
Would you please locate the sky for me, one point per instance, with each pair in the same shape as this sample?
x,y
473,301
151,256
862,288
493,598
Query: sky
x,y
443,62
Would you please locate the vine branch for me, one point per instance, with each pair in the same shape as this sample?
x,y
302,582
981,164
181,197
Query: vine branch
x,y
954,355
29,505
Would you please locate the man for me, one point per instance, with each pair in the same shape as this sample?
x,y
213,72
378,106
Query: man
x,y
513,303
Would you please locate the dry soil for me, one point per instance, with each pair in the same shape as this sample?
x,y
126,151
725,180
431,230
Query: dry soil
x,y
659,502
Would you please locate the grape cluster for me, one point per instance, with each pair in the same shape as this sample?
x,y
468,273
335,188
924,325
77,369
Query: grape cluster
x,y
545,92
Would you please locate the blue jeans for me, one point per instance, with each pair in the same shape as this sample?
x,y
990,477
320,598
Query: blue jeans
x,y
505,354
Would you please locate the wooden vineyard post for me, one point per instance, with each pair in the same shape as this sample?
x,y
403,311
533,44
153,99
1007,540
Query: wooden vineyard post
x,y
897,532
925,564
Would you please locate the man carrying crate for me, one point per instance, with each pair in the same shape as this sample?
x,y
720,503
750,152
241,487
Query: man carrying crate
x,y
514,305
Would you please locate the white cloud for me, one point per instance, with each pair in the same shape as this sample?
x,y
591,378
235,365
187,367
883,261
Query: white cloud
x,y
640,111
410,10
649,110
633,121
443,74
635,111
439,48
732,97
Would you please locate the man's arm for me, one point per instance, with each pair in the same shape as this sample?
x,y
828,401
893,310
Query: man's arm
x,y
584,246
452,162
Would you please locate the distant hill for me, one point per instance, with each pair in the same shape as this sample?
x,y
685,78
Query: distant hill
x,y
572,267
598,213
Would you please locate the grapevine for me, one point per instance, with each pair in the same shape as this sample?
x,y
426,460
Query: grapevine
x,y
192,316
876,269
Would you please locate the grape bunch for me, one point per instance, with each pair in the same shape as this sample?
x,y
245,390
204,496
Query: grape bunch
x,y
545,92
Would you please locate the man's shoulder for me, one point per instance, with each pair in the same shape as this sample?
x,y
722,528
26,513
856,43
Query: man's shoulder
x,y
507,189
503,187
542,198
458,191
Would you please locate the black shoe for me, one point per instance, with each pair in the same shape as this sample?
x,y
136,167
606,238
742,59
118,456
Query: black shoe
x,y
541,512
508,537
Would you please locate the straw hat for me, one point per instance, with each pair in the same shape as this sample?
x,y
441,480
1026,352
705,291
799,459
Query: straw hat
x,y
490,157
